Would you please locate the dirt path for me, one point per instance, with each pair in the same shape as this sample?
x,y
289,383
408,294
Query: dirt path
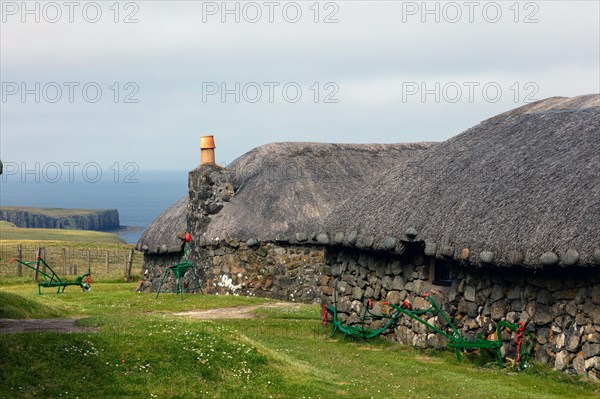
x,y
12,326
238,312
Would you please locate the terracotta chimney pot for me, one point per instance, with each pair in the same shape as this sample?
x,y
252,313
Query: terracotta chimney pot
x,y
207,150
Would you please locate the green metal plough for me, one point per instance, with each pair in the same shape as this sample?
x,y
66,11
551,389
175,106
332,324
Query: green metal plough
x,y
179,270
52,280
455,339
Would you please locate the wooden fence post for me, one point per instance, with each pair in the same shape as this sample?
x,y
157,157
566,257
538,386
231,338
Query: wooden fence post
x,y
37,263
89,261
128,265
106,260
20,257
64,261
43,256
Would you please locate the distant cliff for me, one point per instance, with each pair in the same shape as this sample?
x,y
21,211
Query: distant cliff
x,y
58,218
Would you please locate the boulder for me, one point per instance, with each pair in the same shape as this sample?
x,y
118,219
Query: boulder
x,y
470,293
560,362
498,310
573,343
301,237
389,243
323,238
352,237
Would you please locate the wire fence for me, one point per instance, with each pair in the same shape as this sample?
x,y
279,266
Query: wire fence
x,y
104,263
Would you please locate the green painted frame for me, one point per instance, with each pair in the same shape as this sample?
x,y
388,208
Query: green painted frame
x,y
179,270
52,280
455,339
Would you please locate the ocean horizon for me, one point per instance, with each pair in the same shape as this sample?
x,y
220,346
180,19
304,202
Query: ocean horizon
x,y
139,199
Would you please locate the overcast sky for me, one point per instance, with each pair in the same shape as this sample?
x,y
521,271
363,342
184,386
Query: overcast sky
x,y
342,71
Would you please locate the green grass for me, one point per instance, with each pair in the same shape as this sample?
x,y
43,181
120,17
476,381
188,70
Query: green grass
x,y
13,306
120,298
141,350
55,212
9,232
75,244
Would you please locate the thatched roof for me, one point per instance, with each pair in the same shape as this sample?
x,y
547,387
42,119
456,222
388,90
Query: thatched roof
x,y
161,235
281,189
522,187
287,188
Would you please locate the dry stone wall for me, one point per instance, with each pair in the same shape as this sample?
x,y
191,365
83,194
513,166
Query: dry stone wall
x,y
270,270
153,268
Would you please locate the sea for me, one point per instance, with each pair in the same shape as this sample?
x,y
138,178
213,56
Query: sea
x,y
139,199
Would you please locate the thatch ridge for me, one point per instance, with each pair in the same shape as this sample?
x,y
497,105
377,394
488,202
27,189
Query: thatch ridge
x,y
161,235
287,188
523,183
554,104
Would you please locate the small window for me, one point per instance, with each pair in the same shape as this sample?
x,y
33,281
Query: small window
x,y
441,273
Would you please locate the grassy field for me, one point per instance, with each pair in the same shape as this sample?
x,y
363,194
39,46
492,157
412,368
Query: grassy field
x,y
141,350
55,212
8,231
69,259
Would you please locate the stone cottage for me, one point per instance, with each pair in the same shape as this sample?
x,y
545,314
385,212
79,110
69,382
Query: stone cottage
x,y
500,222
281,187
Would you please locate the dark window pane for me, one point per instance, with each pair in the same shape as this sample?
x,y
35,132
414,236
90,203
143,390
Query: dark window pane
x,y
441,273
